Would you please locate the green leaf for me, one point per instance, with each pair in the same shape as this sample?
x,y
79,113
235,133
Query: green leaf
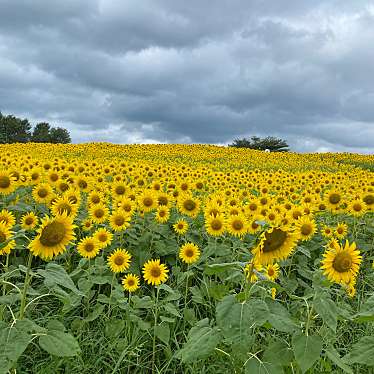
x,y
278,352
56,274
307,350
143,325
59,344
334,356
114,327
255,366
327,309
96,313
279,317
53,324
366,313
13,343
201,342
362,352
162,331
142,303
215,269
171,309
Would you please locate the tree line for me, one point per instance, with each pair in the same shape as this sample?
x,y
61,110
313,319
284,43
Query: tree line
x,y
17,130
270,143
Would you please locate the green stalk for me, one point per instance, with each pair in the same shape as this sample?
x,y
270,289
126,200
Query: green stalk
x,y
25,287
154,332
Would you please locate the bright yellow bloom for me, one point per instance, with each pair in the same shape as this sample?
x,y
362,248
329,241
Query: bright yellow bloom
x,y
189,253
154,272
119,261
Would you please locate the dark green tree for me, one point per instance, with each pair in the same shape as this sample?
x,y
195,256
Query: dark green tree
x,y
41,133
14,130
271,143
59,135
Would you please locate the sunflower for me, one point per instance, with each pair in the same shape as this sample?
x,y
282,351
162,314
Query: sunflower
x,y
189,205
54,234
7,218
162,214
63,205
341,264
357,207
42,193
277,243
130,282
306,227
333,200
98,213
119,261
87,225
119,190
119,220
29,221
147,201
254,224
327,231
127,205
88,247
181,226
237,225
341,230
368,199
189,253
7,183
154,272
215,226
94,198
6,245
104,237
272,271
164,199
252,270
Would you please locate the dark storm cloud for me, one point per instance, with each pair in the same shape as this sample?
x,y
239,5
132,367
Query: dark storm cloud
x,y
176,71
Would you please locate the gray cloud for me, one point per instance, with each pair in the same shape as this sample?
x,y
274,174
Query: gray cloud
x,y
175,71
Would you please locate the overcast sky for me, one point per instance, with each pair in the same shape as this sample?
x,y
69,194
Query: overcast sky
x,y
193,71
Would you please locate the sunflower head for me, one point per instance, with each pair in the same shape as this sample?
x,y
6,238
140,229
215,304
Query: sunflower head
x,y
88,247
181,227
189,253
154,272
131,282
29,221
119,261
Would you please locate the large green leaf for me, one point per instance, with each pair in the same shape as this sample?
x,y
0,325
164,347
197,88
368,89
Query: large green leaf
x,y
334,356
201,342
327,309
278,352
366,313
59,344
255,366
307,350
162,331
280,318
362,352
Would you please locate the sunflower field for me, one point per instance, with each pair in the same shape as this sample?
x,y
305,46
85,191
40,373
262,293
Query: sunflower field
x,y
185,259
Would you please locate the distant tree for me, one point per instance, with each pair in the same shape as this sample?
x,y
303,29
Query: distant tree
x,y
41,133
271,143
60,135
14,130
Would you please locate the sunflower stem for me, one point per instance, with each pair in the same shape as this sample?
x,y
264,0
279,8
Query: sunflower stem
x,y
110,296
4,286
154,332
25,287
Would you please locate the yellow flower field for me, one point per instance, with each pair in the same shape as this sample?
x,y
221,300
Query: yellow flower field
x,y
185,259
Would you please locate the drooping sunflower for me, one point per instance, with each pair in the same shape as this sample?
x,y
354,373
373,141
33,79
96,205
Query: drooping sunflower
x,y
119,261
7,183
237,225
189,205
181,227
29,221
89,247
119,220
341,264
7,217
189,253
306,227
42,193
119,190
5,235
162,214
277,243
54,234
333,200
98,213
130,282
215,226
104,237
252,270
272,271
368,199
154,272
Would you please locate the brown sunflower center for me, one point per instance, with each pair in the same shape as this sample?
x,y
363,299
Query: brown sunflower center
x,y
162,213
82,184
189,205
342,262
334,198
64,207
4,181
340,230
306,229
119,220
296,214
216,224
2,237
180,226
130,282
162,200
89,247
95,199
237,225
120,190
29,221
369,199
148,201
103,237
274,240
271,272
42,193
53,234
119,260
155,272
254,225
189,252
357,207
99,213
